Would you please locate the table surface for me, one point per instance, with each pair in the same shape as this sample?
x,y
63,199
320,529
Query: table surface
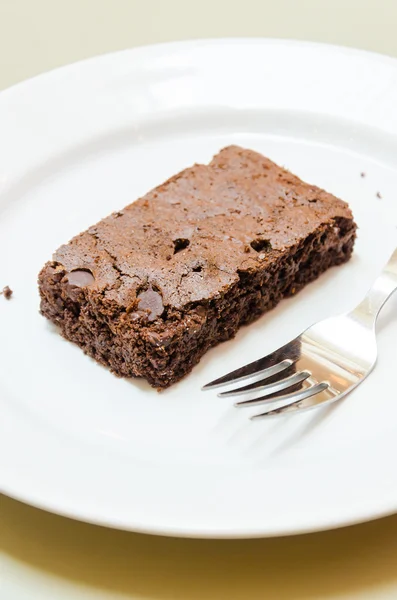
x,y
44,556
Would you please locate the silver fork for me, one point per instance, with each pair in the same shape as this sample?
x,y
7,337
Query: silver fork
x,y
321,365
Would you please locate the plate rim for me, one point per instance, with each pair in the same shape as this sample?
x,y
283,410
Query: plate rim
x,y
204,534
192,42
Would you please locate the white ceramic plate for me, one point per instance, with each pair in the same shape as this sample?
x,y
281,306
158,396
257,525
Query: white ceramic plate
x,y
87,139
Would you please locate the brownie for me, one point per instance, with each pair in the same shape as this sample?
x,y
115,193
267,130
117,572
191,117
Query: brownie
x,y
149,289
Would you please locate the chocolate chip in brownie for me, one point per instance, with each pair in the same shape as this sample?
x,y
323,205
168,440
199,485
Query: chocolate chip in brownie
x,y
80,278
151,301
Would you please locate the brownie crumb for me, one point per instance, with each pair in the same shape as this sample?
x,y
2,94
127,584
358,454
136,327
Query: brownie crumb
x,y
7,292
379,195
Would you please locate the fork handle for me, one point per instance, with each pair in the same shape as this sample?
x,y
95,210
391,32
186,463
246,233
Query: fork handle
x,y
380,292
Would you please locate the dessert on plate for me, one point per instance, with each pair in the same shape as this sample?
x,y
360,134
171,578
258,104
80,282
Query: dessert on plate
x,y
149,289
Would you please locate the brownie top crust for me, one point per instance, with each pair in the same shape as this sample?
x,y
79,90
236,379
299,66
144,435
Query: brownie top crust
x,y
188,240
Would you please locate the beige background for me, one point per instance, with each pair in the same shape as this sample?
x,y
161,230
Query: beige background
x,y
44,556
38,35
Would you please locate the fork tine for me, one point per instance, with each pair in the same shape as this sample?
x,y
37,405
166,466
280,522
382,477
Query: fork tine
x,y
261,369
262,391
250,378
291,370
301,400
321,397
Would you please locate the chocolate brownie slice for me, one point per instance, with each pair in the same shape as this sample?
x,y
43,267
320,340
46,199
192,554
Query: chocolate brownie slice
x,y
147,290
